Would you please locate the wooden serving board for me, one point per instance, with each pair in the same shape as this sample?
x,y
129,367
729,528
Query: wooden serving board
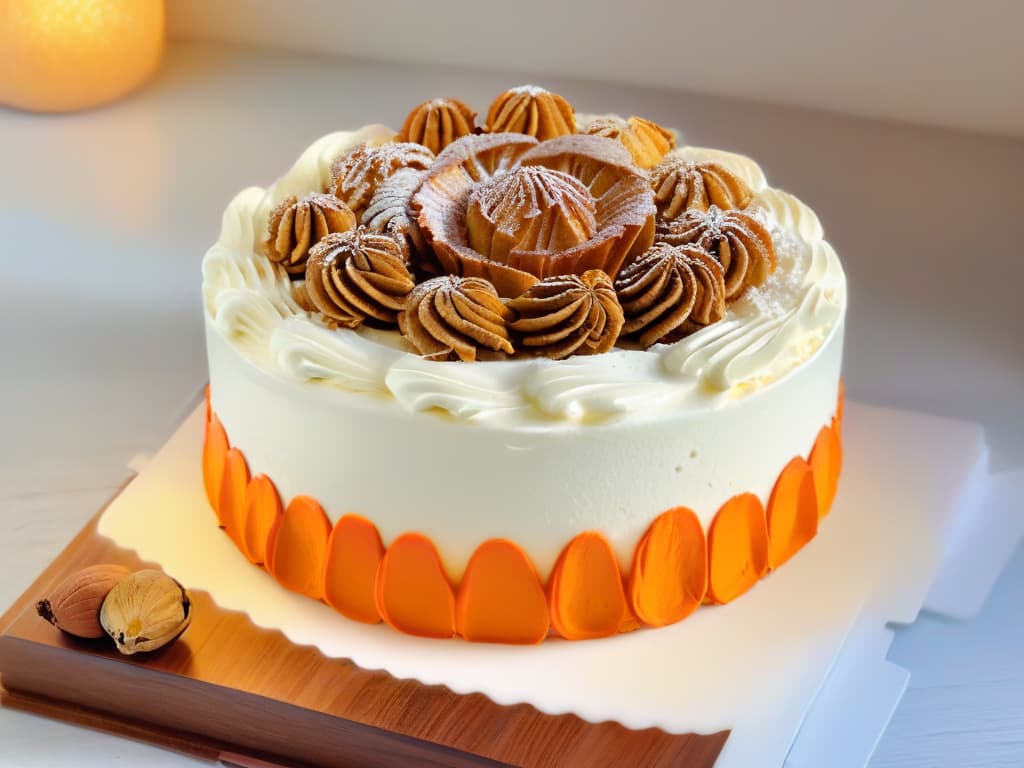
x,y
228,690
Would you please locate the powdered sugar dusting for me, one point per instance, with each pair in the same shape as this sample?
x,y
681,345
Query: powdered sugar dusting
x,y
529,90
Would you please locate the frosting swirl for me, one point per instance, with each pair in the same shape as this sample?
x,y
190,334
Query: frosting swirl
x,y
297,225
568,315
357,276
450,316
533,111
358,174
437,123
669,292
740,242
646,141
680,184
389,213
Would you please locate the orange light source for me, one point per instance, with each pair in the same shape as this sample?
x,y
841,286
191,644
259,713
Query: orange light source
x,y
61,55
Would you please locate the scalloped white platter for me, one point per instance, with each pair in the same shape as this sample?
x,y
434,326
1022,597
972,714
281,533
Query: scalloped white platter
x,y
795,669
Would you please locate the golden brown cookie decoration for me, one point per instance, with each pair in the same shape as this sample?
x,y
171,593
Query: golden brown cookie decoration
x,y
437,123
531,110
359,173
670,292
453,317
567,315
741,243
297,225
646,141
358,276
680,185
512,210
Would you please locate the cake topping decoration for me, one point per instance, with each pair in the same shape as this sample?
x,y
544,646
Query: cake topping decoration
x,y
568,315
356,175
357,276
298,225
437,123
531,208
452,317
669,292
741,243
681,184
504,207
646,141
533,111
389,213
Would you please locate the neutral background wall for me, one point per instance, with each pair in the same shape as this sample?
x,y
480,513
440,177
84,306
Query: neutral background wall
x,y
955,63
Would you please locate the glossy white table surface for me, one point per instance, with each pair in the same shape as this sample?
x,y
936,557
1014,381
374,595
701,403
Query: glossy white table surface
x,y
105,215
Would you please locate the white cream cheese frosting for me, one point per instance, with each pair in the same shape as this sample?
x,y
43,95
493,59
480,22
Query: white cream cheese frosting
x,y
533,450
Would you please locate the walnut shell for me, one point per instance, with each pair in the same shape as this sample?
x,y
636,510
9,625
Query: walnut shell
x,y
145,611
74,605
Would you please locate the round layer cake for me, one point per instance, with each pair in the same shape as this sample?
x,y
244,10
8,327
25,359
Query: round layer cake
x,y
548,376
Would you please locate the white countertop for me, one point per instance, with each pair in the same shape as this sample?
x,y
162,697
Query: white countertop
x,y
105,215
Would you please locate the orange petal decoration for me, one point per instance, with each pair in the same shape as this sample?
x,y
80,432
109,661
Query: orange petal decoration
x,y
206,398
629,621
500,598
670,569
215,451
231,508
268,559
792,512
413,593
839,405
737,548
300,547
262,511
585,589
354,553
826,463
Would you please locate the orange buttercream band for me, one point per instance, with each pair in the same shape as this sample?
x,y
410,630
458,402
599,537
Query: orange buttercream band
x,y
500,598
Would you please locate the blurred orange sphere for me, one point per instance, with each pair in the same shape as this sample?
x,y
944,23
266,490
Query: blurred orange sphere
x,y
60,55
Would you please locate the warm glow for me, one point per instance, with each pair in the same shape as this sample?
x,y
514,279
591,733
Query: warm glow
x,y
58,55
